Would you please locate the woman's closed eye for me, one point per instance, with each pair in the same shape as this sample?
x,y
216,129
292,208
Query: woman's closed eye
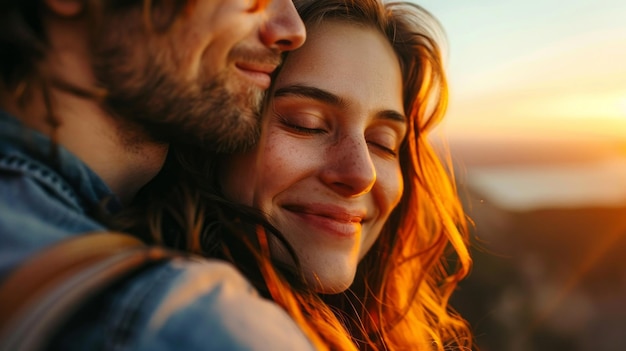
x,y
385,141
391,151
303,123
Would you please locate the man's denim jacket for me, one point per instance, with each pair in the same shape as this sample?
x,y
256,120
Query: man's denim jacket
x,y
46,195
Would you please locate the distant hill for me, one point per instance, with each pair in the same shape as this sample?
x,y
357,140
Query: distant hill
x,y
546,279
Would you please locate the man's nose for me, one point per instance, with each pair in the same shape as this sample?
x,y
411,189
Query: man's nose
x,y
283,29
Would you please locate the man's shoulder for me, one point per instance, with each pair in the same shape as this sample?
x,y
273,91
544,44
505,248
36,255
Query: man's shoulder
x,y
36,209
209,305
34,169
34,196
46,193
25,178
203,305
226,311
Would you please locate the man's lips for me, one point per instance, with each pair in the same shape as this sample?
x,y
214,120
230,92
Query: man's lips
x,y
258,73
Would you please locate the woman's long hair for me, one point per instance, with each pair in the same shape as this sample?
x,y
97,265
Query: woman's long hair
x,y
399,299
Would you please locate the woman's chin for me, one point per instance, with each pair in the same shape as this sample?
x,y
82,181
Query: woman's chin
x,y
330,282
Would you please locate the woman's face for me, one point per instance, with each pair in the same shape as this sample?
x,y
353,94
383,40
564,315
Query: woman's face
x,y
326,171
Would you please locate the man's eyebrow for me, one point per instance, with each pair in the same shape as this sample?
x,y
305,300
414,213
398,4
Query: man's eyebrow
x,y
309,92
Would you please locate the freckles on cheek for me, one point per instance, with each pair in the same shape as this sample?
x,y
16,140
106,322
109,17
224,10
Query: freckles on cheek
x,y
283,165
284,154
277,166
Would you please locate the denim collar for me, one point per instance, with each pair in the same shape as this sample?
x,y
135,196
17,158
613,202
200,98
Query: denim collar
x,y
28,151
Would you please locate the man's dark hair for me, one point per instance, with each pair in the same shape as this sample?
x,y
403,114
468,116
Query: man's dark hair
x,y
24,42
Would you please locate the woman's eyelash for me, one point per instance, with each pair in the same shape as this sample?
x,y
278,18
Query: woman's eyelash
x,y
287,122
300,129
306,130
385,149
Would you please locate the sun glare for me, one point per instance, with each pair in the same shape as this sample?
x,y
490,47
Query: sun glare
x,y
622,107
601,114
593,106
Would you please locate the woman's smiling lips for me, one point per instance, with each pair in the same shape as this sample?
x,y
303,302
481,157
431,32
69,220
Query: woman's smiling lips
x,y
331,219
259,73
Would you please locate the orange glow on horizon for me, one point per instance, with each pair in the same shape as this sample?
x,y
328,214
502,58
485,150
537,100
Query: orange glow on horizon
x,y
589,106
577,86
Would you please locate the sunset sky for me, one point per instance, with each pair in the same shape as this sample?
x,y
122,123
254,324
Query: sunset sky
x,y
538,99
535,66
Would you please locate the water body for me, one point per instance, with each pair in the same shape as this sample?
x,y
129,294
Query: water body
x,y
599,183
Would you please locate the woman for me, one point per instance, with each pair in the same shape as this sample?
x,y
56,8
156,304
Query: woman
x,y
362,215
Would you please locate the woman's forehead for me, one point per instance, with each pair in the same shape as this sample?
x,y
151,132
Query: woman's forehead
x,y
349,60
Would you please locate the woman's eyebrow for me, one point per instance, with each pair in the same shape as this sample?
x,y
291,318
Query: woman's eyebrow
x,y
309,92
392,115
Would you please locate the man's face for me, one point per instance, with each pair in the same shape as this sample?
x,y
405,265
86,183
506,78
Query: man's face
x,y
202,79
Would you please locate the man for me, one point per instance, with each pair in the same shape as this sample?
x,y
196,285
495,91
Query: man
x,y
91,94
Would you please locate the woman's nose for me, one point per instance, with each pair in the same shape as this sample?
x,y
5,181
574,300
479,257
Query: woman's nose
x,y
349,169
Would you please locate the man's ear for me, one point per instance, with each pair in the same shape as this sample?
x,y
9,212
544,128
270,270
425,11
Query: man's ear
x,y
65,8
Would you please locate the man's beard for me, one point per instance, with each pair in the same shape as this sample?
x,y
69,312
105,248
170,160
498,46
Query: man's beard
x,y
147,94
210,116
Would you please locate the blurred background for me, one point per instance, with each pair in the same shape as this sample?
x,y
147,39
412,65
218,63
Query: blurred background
x,y
537,132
